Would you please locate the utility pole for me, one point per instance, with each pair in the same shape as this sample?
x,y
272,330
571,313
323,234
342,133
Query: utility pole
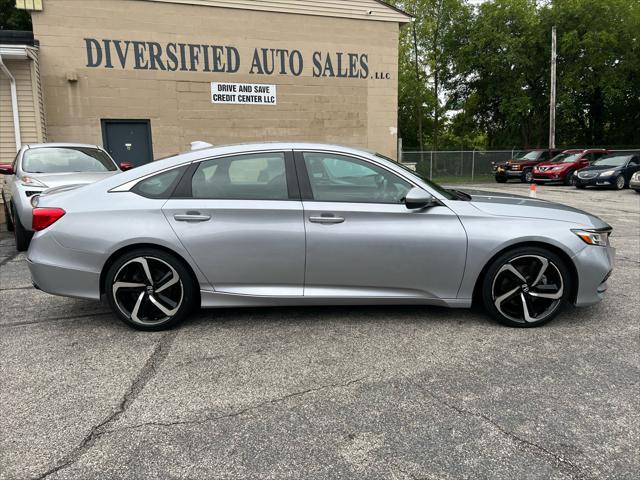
x,y
552,102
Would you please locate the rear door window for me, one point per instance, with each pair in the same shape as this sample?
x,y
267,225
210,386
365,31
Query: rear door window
x,y
260,176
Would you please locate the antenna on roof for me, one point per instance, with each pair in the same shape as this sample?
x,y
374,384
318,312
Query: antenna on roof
x,y
199,144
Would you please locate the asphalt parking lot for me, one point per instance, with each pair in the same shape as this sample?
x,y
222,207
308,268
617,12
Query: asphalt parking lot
x,y
366,392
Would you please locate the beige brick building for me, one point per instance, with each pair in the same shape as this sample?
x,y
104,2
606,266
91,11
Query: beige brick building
x,y
147,77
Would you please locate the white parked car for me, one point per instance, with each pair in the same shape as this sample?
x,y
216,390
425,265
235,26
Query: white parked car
x,y
38,167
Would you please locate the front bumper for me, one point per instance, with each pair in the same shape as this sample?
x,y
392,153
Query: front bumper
x,y
508,173
548,176
594,266
634,184
596,181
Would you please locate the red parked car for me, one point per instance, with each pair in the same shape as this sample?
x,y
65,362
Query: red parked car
x,y
521,166
560,169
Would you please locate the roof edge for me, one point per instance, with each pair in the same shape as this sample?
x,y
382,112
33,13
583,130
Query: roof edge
x,y
399,10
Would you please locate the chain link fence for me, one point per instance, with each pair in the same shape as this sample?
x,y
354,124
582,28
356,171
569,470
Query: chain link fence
x,y
462,165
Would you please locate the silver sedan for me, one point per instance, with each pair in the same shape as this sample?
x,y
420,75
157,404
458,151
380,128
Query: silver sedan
x,y
38,167
310,224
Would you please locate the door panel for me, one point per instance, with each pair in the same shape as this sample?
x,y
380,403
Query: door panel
x,y
242,223
383,250
245,247
128,141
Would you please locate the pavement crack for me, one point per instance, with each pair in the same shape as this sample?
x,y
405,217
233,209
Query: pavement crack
x,y
54,319
9,258
562,463
237,413
146,373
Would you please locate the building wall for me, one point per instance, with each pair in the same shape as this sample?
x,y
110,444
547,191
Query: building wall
x,y
352,111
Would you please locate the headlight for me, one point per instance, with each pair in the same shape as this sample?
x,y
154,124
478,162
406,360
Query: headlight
x,y
575,173
636,176
594,237
608,173
31,182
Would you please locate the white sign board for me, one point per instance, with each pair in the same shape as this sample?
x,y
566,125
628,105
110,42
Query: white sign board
x,y
243,93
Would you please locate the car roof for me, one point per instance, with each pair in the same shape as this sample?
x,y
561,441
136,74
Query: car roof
x,y
59,145
276,145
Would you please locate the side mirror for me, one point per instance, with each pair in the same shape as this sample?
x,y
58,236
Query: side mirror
x,y
418,198
124,166
6,169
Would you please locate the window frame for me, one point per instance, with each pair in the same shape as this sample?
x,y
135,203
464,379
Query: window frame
x,y
172,188
183,190
306,192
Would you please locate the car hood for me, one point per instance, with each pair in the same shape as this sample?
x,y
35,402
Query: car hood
x,y
53,180
509,205
596,168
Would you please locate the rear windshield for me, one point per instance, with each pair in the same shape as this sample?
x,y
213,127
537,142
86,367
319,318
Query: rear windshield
x,y
614,161
66,159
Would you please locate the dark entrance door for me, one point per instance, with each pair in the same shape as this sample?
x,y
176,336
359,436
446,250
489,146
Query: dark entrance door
x,y
128,141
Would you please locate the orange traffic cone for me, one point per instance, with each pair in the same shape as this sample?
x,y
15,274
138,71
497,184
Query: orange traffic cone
x,y
532,190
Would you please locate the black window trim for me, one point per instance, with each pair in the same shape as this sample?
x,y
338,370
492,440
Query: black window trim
x,y
183,190
306,192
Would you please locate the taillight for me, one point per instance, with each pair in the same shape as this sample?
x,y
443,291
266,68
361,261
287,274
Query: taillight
x,y
44,217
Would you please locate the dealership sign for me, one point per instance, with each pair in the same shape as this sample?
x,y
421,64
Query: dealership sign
x,y
188,57
243,93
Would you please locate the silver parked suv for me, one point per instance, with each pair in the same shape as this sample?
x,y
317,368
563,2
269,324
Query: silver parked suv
x,y
39,167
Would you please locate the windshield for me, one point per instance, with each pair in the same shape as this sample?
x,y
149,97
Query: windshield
x,y
441,190
566,157
534,155
616,161
66,160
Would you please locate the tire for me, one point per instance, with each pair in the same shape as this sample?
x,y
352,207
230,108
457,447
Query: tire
x,y
142,306
504,293
568,179
7,217
620,183
501,180
527,176
21,235
580,187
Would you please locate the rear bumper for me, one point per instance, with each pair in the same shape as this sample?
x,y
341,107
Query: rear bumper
x,y
594,266
62,271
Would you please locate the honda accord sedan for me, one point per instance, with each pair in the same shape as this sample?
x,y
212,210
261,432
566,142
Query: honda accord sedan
x,y
309,224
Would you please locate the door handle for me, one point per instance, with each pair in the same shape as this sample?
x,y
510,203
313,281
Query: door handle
x,y
326,220
191,217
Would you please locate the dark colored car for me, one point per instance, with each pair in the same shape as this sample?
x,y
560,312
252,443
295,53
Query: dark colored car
x,y
521,167
560,169
613,171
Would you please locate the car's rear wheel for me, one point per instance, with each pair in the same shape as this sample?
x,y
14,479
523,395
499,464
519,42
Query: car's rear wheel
x,y
526,287
21,235
150,289
619,183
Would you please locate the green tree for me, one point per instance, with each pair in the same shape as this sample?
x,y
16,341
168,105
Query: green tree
x,y
13,19
598,70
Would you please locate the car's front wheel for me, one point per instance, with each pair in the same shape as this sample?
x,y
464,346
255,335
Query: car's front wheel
x,y
527,176
150,289
525,287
